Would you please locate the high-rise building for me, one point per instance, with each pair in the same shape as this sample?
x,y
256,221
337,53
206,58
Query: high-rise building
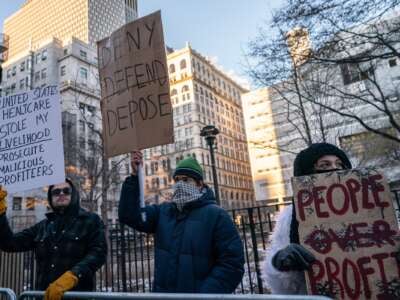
x,y
3,49
202,95
265,155
87,20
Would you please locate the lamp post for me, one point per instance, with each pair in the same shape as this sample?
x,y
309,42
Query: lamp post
x,y
210,132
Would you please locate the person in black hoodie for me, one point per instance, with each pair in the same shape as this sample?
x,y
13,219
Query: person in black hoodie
x,y
197,246
69,244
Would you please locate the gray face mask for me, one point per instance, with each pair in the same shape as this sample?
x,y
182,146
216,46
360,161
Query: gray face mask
x,y
185,192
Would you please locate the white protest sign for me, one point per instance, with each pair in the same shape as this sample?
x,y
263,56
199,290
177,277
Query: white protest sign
x,y
31,144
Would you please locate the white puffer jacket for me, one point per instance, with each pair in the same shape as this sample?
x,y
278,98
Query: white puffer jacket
x,y
292,282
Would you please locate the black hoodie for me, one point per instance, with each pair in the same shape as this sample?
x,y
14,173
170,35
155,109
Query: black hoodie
x,y
70,241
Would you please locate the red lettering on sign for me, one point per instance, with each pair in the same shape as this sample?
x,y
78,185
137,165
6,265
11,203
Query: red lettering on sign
x,y
318,200
354,187
353,292
348,278
304,199
332,271
379,234
368,190
365,271
377,188
331,201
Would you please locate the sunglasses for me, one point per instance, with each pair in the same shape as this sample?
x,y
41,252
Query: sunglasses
x,y
65,191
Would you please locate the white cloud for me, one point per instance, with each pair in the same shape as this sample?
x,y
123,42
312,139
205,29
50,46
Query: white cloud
x,y
241,80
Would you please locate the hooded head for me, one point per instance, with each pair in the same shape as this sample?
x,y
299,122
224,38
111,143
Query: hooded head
x,y
307,158
72,207
304,164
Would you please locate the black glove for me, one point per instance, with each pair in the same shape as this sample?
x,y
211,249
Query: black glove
x,y
293,258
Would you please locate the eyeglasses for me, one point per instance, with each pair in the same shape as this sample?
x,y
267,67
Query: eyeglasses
x,y
65,191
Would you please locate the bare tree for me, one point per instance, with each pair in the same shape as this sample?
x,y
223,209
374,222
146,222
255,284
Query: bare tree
x,y
295,102
85,152
353,41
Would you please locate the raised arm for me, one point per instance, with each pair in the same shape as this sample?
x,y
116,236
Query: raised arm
x,y
129,210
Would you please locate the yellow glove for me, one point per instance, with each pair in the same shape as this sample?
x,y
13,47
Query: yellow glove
x,y
3,200
64,283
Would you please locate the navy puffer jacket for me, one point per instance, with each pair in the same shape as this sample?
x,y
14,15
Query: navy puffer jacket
x,y
197,250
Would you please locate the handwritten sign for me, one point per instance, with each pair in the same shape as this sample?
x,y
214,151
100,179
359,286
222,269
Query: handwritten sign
x,y
136,106
347,220
31,145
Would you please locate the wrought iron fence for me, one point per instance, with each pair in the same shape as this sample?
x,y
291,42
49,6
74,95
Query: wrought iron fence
x,y
129,266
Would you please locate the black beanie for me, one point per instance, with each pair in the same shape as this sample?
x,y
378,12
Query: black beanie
x,y
305,160
304,165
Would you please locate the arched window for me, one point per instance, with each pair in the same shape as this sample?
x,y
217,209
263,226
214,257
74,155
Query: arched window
x,y
174,92
183,64
185,89
172,68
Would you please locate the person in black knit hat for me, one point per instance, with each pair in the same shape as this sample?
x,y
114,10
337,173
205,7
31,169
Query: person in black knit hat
x,y
286,260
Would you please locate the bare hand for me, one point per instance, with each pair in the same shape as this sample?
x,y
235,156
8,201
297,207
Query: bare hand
x,y
136,160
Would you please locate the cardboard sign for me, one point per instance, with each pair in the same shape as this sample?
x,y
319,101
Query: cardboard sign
x,y
136,106
347,220
31,144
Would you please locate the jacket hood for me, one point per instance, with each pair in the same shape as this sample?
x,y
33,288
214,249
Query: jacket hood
x,y
305,160
73,207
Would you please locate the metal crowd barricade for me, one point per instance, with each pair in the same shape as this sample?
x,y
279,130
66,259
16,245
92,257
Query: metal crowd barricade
x,y
170,296
9,294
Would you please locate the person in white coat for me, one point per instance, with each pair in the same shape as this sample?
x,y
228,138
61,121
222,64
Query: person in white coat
x,y
286,260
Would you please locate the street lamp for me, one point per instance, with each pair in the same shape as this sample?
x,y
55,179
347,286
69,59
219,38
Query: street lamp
x,y
210,132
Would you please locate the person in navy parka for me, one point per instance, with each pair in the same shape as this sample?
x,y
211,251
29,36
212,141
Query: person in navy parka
x,y
197,246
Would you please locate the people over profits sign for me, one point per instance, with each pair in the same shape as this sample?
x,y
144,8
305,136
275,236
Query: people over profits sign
x,y
136,106
31,144
346,219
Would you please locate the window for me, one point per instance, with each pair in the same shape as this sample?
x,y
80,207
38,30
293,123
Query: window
x,y
65,51
62,71
22,84
171,68
8,73
30,203
44,73
183,64
37,58
44,54
22,66
83,72
14,71
174,92
91,109
392,62
353,72
82,127
185,89
83,54
17,203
